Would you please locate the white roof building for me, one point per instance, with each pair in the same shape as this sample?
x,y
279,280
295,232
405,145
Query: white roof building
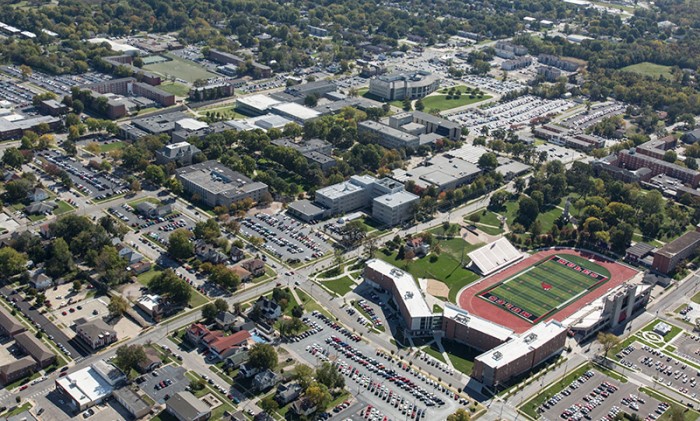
x,y
494,256
522,345
256,103
190,124
295,111
89,386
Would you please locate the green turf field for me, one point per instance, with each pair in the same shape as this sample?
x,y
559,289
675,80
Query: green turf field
x,y
547,286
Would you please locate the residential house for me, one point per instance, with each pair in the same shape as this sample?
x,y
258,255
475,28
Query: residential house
x,y
208,253
130,255
196,332
264,380
96,333
247,371
225,346
9,326
186,407
417,246
254,266
132,402
36,349
151,210
236,254
151,362
243,274
141,267
225,319
17,369
287,393
269,309
234,361
38,195
303,407
40,281
38,208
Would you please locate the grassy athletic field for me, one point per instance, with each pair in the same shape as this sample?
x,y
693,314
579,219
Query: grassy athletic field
x,y
547,286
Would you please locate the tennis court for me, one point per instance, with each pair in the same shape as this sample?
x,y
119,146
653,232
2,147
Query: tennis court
x,y
546,286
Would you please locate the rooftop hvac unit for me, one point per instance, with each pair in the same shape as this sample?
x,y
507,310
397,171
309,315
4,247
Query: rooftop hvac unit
x,y
531,337
497,355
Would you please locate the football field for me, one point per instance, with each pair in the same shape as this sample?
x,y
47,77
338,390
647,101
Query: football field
x,y
547,286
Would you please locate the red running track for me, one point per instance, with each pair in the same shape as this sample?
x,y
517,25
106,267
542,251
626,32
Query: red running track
x,y
470,301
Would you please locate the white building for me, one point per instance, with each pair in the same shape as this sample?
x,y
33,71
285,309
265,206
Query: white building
x,y
397,86
295,112
89,386
255,104
394,208
417,316
347,196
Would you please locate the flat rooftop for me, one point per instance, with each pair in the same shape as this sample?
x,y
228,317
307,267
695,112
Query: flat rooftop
x,y
393,200
689,239
214,177
463,317
85,385
258,102
336,191
522,344
295,110
388,131
406,286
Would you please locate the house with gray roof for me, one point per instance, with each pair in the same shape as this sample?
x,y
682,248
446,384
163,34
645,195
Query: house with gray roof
x,y
186,407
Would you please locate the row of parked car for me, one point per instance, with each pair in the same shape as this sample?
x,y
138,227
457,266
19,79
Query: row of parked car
x,y
345,332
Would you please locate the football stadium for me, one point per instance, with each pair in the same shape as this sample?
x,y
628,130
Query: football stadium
x,y
546,287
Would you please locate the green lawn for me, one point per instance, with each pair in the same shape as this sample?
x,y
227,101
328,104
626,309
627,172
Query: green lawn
x,y
696,298
433,352
180,68
145,199
24,407
446,268
310,304
145,278
649,69
197,299
546,217
340,286
106,147
440,101
229,112
546,287
675,330
35,218
461,356
175,88
63,207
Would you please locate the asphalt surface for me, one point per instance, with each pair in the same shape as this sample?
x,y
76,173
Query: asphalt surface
x,y
76,348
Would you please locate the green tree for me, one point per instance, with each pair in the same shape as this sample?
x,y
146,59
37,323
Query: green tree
x,y
327,375
209,312
303,374
670,156
488,161
155,174
117,306
460,415
528,210
319,395
179,244
12,262
221,304
608,341
419,105
269,405
111,266
208,230
129,357
171,287
263,356
12,157
61,260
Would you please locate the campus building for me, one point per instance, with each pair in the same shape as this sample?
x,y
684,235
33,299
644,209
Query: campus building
x,y
667,258
478,333
126,94
394,208
441,171
398,86
609,311
181,153
418,122
216,184
89,386
632,160
259,70
387,136
418,318
504,363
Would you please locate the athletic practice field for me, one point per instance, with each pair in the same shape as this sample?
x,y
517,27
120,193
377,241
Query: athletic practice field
x,y
546,286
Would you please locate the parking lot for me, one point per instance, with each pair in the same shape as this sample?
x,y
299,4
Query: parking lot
x,y
156,228
688,347
595,396
164,381
59,84
518,112
285,237
14,93
584,120
391,387
90,182
673,373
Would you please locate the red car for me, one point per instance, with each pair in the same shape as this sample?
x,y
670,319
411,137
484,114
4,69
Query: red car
x,y
64,313
26,386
